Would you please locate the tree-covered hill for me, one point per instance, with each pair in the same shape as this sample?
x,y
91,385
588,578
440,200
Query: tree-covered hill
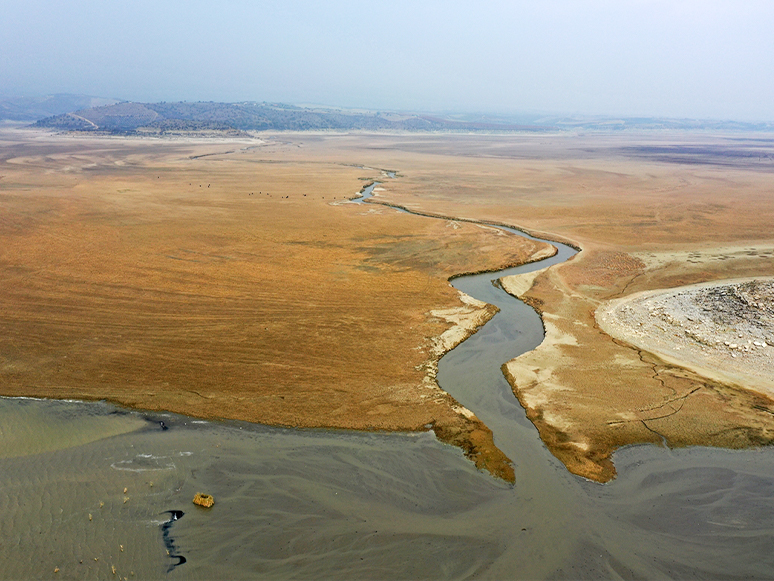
x,y
129,117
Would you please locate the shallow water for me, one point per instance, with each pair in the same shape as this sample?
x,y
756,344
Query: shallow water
x,y
311,504
323,504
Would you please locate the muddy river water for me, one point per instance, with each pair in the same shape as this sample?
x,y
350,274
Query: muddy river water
x,y
92,491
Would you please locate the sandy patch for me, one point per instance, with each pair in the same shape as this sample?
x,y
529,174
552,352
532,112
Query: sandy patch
x,y
518,284
723,330
720,253
465,320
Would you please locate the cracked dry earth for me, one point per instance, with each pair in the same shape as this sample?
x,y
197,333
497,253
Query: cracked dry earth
x,y
586,403
722,330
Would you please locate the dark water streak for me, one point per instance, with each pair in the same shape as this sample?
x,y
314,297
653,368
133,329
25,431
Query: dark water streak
x,y
169,543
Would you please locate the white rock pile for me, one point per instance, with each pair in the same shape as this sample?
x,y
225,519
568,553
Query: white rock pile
x,y
719,325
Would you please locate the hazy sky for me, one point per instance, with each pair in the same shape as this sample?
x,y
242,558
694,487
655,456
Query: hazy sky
x,y
679,58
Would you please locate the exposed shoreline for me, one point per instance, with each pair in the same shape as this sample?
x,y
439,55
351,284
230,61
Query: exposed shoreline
x,y
476,439
469,433
211,349
221,329
580,456
663,331
674,325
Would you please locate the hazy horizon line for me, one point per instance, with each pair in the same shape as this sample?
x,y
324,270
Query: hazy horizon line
x,y
484,112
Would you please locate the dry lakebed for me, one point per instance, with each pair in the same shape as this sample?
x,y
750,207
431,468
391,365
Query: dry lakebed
x,y
217,315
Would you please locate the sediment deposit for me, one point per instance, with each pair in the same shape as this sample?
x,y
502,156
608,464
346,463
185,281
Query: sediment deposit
x,y
215,277
643,222
723,330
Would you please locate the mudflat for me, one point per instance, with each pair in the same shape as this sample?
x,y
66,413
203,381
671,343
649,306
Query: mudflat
x,y
231,279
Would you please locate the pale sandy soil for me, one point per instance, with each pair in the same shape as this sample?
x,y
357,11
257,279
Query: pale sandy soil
x,y
723,330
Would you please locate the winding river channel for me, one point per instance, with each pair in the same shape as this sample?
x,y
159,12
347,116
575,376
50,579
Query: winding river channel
x,y
91,491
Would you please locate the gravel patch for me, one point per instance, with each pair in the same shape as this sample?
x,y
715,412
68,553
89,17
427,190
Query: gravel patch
x,y
723,329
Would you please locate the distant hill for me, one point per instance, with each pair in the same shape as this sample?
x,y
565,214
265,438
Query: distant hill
x,y
128,117
602,123
92,114
34,108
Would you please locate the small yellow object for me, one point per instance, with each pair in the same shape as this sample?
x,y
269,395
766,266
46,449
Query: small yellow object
x,y
204,500
125,489
101,504
113,568
89,516
56,569
126,499
122,548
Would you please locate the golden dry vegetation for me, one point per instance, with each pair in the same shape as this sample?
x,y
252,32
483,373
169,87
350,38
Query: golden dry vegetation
x,y
227,280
